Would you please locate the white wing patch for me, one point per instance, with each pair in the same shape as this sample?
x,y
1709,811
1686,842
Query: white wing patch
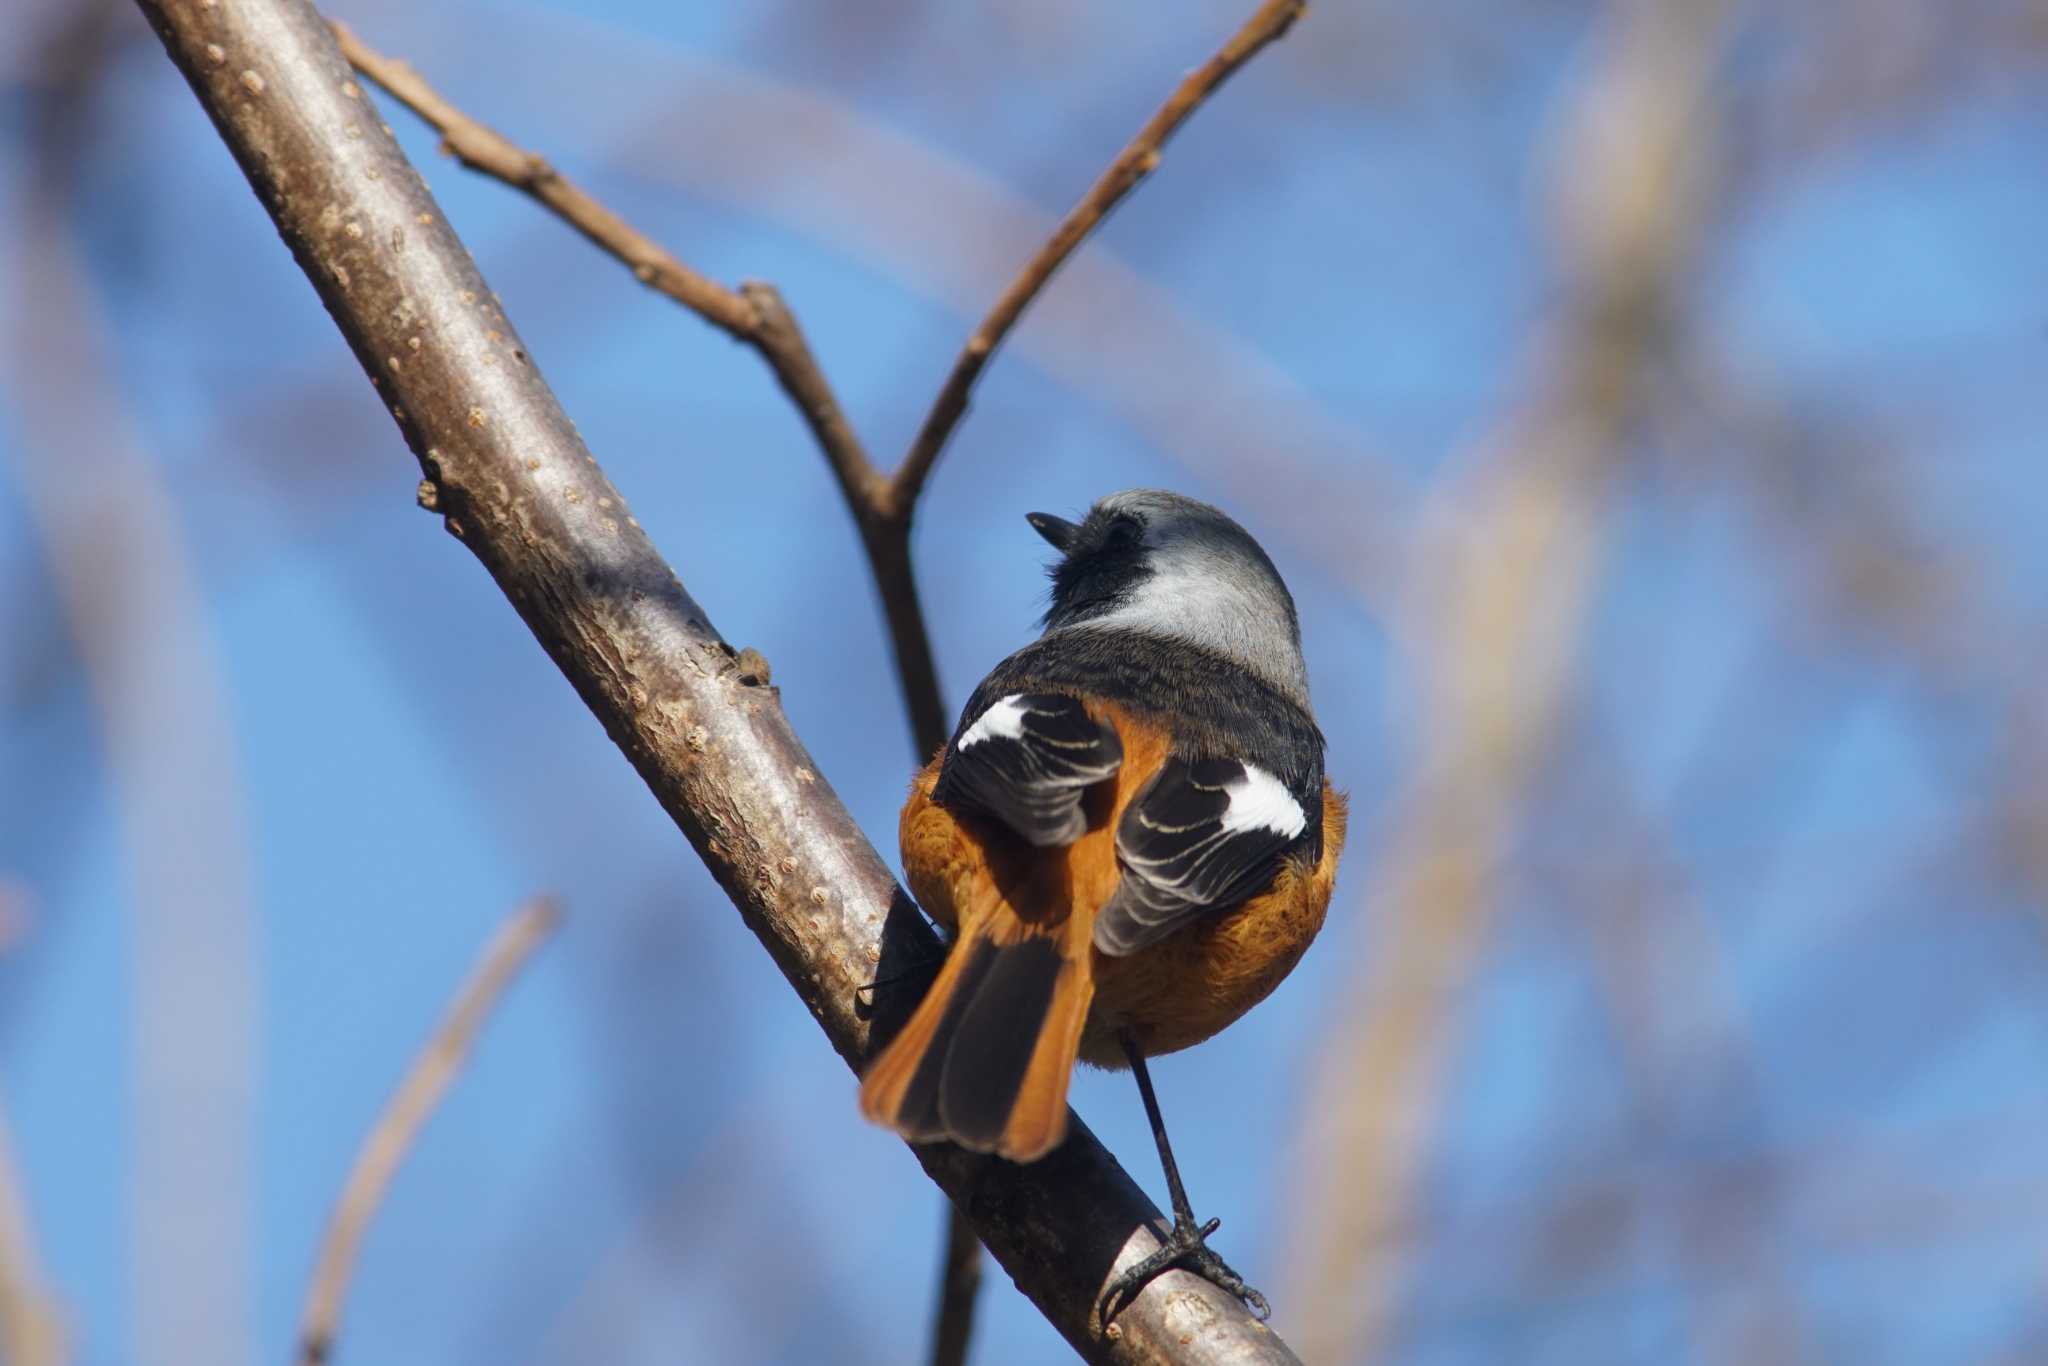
x,y
1260,801
1003,721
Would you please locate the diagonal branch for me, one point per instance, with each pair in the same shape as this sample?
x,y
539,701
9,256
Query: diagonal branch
x,y
407,1112
515,483
1138,160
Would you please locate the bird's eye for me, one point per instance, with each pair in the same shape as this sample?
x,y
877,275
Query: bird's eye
x,y
1124,532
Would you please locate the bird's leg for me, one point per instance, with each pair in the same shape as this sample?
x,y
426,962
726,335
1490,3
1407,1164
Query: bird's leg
x,y
864,994
1184,1247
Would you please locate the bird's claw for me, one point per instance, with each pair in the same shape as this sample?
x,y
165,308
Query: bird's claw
x,y
1186,1248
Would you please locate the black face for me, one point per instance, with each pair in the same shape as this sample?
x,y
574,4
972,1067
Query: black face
x,y
1102,561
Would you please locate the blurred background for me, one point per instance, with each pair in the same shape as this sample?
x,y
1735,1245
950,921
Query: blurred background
x,y
1644,401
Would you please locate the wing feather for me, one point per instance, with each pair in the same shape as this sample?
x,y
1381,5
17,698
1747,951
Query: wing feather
x,y
1202,835
1028,759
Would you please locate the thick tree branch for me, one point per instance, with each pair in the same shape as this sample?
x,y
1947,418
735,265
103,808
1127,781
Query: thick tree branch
x,y
1138,160
407,1112
505,468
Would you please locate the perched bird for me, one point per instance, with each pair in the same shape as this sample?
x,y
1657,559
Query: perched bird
x,y
1129,837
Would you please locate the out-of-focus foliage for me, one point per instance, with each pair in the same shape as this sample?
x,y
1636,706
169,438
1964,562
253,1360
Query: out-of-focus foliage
x,y
1676,618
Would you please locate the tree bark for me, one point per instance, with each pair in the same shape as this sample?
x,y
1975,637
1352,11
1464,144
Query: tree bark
x,y
505,469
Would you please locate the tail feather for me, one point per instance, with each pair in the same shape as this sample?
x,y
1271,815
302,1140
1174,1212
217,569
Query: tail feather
x,y
985,1060
1038,1118
890,1093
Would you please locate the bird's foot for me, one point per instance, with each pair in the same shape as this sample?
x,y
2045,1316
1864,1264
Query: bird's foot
x,y
864,994
1187,1249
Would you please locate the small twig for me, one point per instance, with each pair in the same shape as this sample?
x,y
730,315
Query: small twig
x,y
884,537
484,149
1138,160
754,314
392,1136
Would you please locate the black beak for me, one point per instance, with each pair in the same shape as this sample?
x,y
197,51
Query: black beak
x,y
1058,531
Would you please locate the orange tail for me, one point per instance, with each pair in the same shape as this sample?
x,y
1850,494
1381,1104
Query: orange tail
x,y
986,1058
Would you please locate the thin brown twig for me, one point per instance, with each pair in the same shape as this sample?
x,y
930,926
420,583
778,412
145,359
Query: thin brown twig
x,y
1138,160
755,314
408,1110
884,537
484,149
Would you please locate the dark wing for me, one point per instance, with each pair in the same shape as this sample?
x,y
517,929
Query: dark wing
x,y
1202,835
1027,760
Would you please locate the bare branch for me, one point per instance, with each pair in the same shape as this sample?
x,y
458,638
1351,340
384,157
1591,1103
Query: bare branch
x,y
485,150
125,572
754,314
407,1112
886,539
507,471
1136,161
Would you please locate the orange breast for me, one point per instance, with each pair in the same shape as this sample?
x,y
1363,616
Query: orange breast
x,y
1172,994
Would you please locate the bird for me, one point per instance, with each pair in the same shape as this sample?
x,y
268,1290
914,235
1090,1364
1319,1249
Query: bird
x,y
1130,840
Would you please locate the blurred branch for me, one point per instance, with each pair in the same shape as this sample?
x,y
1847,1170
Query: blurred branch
x,y
1832,501
1138,160
1492,627
505,469
406,1113
31,1334
124,570
959,1284
1667,978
